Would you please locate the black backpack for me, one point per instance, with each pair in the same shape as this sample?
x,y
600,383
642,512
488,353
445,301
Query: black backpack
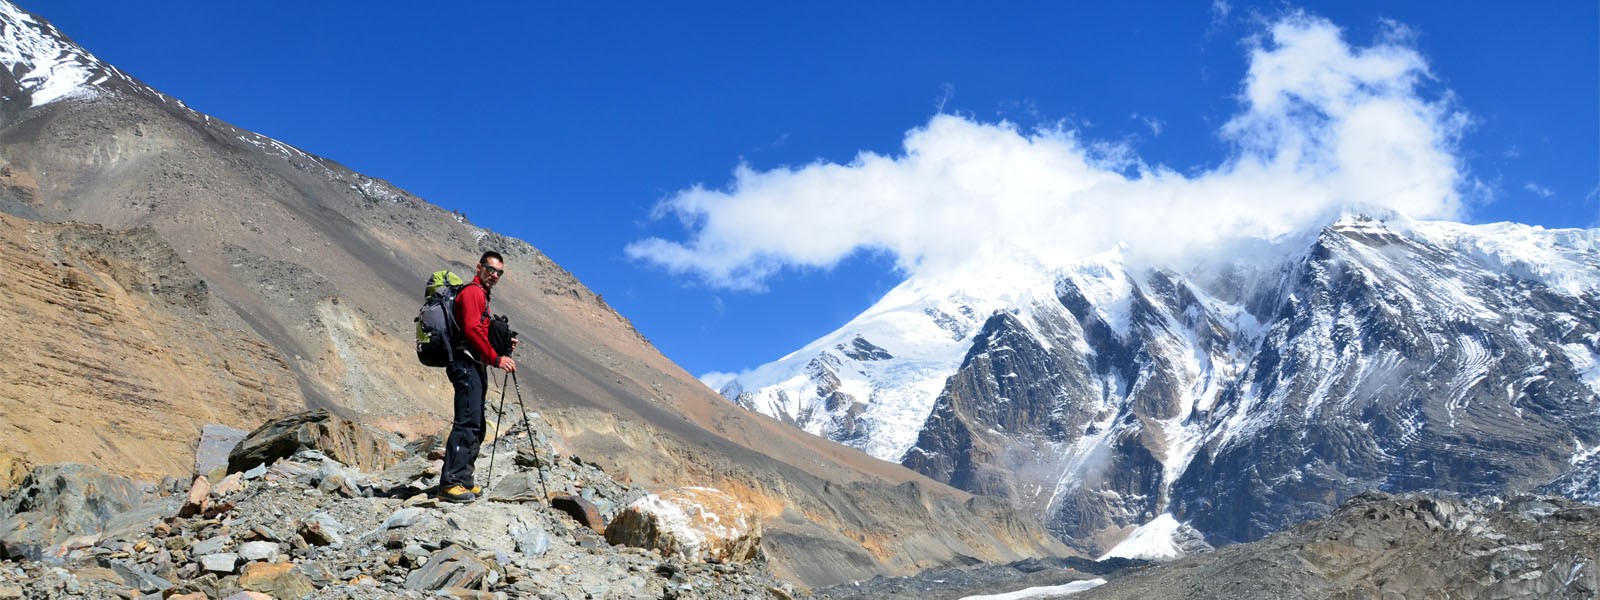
x,y
501,335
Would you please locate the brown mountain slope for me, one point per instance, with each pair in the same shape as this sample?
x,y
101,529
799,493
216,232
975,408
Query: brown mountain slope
x,y
114,356
311,276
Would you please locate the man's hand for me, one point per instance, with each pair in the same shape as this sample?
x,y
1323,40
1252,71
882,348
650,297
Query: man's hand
x,y
506,364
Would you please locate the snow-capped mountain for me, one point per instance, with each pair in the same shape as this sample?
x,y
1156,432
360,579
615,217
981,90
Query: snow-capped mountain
x,y
1234,396
847,387
49,67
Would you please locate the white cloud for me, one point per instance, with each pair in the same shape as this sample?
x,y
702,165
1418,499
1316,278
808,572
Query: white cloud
x,y
1538,190
1323,127
1153,123
1220,9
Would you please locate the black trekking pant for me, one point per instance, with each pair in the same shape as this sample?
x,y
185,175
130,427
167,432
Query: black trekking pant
x,y
470,379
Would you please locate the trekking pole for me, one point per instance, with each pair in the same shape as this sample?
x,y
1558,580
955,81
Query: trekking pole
x,y
499,416
533,444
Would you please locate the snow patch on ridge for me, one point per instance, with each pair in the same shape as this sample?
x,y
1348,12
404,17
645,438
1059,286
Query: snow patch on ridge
x,y
1155,540
1585,362
52,69
1048,591
1106,286
1563,259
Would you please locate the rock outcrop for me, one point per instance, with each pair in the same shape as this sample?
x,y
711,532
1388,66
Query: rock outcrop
x,y
122,357
58,506
345,441
282,534
691,522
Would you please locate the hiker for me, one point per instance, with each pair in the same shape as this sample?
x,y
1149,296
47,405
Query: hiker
x,y
469,376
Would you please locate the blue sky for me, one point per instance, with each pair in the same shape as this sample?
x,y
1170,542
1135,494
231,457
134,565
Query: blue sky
x,y
569,124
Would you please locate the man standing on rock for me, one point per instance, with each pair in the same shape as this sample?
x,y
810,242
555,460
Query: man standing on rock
x,y
469,376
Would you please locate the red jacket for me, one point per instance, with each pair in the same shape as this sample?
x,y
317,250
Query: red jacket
x,y
472,310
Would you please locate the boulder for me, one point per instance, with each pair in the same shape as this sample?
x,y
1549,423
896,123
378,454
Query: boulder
x,y
531,539
222,562
348,442
404,517
232,484
584,511
211,454
452,567
693,523
199,498
333,478
412,470
258,551
140,579
210,545
320,529
57,503
276,580
521,486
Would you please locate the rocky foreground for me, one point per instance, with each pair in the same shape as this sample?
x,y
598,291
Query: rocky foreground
x,y
312,506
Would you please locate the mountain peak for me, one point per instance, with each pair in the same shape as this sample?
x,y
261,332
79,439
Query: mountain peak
x,y
52,67
1110,391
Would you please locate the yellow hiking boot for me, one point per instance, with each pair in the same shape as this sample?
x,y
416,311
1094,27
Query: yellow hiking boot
x,y
456,493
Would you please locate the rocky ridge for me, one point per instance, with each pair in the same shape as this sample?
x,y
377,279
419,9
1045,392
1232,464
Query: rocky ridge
x,y
304,525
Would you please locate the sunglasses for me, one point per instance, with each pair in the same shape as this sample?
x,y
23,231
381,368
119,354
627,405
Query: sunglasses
x,y
492,271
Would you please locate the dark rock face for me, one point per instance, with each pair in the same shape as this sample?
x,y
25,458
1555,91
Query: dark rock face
x,y
1379,361
1387,383
58,502
861,349
345,441
1068,382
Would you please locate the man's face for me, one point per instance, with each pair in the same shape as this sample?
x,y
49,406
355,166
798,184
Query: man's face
x,y
489,271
